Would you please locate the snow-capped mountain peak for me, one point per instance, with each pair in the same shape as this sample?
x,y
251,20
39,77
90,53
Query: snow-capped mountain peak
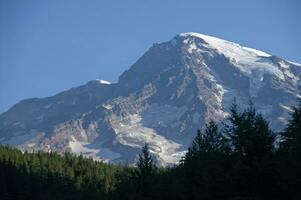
x,y
169,93
228,48
247,60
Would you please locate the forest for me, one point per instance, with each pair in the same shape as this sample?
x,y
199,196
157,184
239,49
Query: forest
x,y
240,159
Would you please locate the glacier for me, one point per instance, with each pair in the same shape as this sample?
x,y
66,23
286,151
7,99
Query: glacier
x,y
175,88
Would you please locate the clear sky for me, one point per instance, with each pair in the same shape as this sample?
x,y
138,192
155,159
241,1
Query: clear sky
x,y
47,46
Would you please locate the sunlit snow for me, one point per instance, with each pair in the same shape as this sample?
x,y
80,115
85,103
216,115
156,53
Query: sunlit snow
x,y
244,58
103,81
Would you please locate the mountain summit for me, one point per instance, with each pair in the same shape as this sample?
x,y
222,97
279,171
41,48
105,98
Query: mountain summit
x,y
170,92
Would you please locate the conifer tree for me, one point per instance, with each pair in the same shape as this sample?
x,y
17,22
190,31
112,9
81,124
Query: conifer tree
x,y
145,163
209,141
206,161
252,143
251,137
292,134
290,156
145,171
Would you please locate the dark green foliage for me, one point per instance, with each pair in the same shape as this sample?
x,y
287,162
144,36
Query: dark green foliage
x,y
250,135
145,164
290,157
253,169
51,176
144,174
238,161
125,187
145,171
205,165
209,142
292,133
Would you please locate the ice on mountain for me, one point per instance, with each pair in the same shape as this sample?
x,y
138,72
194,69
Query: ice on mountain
x,y
170,92
131,132
103,81
192,48
244,58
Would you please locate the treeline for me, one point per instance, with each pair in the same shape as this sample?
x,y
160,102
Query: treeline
x,y
43,175
241,160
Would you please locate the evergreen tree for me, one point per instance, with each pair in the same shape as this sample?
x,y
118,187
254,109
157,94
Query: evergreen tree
x,y
292,134
290,156
250,135
252,154
42,175
239,162
205,161
211,140
145,163
145,171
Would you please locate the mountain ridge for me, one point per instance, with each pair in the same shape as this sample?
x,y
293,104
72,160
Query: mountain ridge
x,y
165,96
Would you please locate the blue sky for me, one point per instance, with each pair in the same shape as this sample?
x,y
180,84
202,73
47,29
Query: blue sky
x,y
47,46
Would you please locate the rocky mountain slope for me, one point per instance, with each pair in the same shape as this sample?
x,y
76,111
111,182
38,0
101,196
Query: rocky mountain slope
x,y
170,92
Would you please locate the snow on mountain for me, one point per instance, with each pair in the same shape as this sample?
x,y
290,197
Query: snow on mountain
x,y
225,47
103,81
244,58
170,92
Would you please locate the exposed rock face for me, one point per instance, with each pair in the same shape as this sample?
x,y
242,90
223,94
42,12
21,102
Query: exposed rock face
x,y
170,92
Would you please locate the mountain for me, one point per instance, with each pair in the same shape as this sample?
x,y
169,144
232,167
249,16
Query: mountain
x,y
170,92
